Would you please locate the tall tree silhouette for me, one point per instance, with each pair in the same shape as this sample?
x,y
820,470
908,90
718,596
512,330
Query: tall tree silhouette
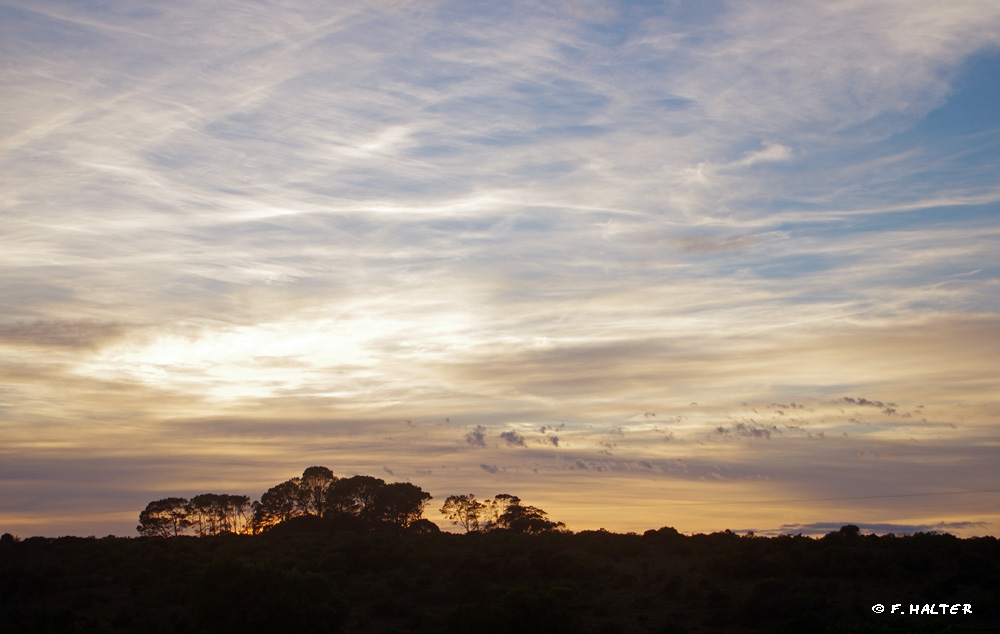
x,y
164,518
494,511
313,488
503,512
356,496
278,504
527,519
463,510
401,503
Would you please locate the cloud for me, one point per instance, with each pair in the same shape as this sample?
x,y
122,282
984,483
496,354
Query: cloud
x,y
865,402
476,437
513,439
278,231
490,468
715,244
750,429
61,333
774,152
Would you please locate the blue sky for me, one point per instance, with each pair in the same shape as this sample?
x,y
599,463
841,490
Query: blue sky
x,y
679,249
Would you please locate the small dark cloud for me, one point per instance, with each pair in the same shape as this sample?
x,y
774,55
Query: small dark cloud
x,y
477,437
388,470
792,405
490,468
645,464
868,403
513,439
579,465
554,440
750,429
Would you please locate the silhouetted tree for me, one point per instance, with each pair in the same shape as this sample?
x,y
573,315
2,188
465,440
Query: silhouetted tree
x,y
463,510
234,511
423,526
850,530
313,488
164,518
493,511
527,519
278,504
357,496
401,503
210,513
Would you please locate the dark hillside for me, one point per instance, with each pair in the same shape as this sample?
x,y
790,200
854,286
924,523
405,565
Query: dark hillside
x,y
315,577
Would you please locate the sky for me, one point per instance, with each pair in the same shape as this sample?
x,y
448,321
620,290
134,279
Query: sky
x,y
710,265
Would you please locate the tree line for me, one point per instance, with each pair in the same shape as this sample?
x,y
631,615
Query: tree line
x,y
207,514
503,512
316,493
364,500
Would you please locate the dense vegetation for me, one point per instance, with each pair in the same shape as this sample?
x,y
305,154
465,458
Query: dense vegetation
x,y
358,501
309,575
317,493
325,554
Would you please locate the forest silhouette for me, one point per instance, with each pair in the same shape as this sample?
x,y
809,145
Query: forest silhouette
x,y
359,502
318,553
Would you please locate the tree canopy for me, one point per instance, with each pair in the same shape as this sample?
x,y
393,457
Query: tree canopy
x,y
318,493
503,513
320,498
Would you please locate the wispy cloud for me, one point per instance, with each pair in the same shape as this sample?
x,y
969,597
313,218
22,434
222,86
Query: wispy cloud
x,y
281,229
61,333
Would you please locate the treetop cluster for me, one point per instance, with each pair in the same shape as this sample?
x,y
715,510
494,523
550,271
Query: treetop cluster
x,y
359,501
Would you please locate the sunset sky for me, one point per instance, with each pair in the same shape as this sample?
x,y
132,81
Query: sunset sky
x,y
706,265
